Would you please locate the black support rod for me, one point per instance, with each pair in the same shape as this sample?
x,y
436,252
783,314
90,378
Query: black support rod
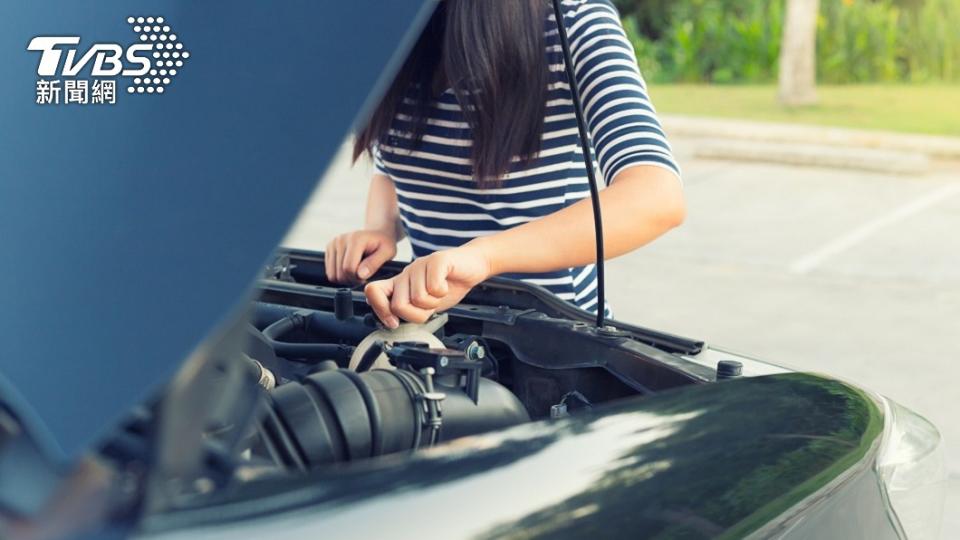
x,y
587,159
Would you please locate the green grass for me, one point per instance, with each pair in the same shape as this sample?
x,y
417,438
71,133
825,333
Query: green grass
x,y
929,109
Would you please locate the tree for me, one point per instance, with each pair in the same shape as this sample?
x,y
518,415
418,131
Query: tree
x,y
798,54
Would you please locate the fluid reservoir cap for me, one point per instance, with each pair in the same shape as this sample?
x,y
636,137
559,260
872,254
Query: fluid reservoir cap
x,y
729,369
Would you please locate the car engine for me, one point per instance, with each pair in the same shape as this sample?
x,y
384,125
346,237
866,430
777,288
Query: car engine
x,y
339,387
331,401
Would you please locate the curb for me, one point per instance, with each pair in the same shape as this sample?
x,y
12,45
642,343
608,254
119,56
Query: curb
x,y
727,129
815,155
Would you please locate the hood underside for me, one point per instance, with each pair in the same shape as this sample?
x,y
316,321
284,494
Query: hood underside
x,y
131,230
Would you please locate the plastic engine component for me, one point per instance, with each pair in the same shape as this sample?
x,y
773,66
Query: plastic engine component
x,y
338,415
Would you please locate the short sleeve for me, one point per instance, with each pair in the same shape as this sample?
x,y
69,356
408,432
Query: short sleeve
x,y
621,118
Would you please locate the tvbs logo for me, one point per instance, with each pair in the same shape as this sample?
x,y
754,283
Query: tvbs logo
x,y
108,58
147,66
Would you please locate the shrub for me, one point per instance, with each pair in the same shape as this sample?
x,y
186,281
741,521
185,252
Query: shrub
x,y
857,41
712,41
738,41
931,50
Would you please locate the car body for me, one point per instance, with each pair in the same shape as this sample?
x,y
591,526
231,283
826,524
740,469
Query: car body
x,y
775,453
130,329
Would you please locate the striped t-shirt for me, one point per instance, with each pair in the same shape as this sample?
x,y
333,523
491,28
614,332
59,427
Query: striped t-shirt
x,y
439,202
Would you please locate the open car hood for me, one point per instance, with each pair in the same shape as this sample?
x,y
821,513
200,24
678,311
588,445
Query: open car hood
x,y
131,230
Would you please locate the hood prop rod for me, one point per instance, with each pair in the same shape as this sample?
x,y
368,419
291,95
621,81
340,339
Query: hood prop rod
x,y
587,160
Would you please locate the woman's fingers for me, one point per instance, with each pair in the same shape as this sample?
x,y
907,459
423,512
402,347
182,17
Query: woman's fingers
x,y
352,252
419,294
338,262
436,277
400,304
372,261
330,260
378,296
354,257
402,297
358,245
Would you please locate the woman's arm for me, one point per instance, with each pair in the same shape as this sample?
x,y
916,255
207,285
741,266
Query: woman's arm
x,y
382,212
641,204
644,198
355,256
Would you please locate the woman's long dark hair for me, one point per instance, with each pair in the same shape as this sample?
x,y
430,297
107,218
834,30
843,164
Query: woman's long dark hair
x,y
492,54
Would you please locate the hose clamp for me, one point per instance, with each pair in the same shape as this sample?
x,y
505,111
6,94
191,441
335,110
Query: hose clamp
x,y
432,402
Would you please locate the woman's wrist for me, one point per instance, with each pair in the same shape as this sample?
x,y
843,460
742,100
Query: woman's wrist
x,y
389,231
485,249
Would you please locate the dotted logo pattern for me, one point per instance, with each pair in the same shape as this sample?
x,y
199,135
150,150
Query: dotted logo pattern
x,y
168,56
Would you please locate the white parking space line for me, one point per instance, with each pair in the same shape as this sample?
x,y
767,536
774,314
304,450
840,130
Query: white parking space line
x,y
814,259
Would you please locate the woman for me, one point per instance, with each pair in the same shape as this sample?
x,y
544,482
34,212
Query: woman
x,y
478,159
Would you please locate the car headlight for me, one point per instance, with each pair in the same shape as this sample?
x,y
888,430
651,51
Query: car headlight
x,y
911,467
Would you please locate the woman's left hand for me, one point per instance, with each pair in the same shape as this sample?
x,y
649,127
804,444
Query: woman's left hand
x,y
429,284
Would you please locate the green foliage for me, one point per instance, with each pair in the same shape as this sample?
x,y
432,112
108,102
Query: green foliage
x,y
857,41
648,51
651,17
933,50
711,41
738,41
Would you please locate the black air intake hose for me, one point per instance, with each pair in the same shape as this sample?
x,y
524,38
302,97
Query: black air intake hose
x,y
319,325
304,321
338,415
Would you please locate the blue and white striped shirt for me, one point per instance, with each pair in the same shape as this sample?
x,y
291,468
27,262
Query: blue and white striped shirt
x,y
439,202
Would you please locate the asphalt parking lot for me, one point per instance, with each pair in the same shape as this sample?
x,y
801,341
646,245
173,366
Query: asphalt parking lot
x,y
850,273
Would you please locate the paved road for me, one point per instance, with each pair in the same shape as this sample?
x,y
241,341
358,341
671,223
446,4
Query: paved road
x,y
847,273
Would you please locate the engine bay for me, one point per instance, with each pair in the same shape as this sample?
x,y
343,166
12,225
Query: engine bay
x,y
340,387
307,379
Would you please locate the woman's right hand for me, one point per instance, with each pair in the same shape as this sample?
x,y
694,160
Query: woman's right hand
x,y
354,257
